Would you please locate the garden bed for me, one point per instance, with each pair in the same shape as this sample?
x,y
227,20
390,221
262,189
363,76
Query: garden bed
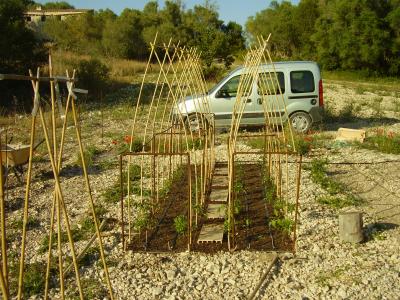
x,y
252,230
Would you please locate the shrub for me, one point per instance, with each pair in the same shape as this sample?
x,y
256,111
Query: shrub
x,y
92,75
213,73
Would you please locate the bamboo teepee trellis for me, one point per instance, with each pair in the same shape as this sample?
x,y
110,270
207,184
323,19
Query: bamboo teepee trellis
x,y
260,72
170,136
59,212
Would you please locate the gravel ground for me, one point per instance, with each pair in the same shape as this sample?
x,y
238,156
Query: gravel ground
x,y
322,268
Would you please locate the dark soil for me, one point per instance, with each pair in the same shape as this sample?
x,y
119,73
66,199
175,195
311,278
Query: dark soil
x,y
251,224
162,236
252,230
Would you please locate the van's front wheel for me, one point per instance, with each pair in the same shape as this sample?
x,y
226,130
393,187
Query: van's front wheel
x,y
301,121
194,123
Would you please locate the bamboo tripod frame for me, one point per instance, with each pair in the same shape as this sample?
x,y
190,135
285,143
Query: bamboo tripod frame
x,y
169,134
55,142
260,72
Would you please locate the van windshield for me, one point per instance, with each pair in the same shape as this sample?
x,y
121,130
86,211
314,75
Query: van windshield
x,y
215,87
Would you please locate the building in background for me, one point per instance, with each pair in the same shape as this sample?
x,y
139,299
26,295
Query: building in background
x,y
40,15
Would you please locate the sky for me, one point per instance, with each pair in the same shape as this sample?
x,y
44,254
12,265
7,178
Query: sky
x,y
229,10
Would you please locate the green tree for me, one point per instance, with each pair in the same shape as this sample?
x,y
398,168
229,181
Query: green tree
x,y
393,51
305,16
19,51
123,37
353,34
81,34
277,20
57,5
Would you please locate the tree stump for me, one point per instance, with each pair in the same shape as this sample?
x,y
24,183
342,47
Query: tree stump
x,y
350,226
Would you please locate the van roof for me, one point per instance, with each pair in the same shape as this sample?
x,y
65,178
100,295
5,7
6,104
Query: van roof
x,y
291,63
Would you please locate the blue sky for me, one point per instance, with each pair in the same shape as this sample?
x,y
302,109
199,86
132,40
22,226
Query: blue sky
x,y
229,10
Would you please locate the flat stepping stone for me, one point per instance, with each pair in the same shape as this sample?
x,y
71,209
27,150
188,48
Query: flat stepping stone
x,y
216,211
222,171
220,181
211,233
219,195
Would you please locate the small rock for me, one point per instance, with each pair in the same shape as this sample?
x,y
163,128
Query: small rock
x,y
171,274
157,291
342,293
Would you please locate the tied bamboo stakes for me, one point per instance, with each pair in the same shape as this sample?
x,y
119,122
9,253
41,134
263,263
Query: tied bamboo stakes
x,y
171,142
55,142
280,182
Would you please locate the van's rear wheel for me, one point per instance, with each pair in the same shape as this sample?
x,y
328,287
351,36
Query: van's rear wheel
x,y
301,121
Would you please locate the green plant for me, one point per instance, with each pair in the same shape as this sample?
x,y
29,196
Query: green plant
x,y
383,141
339,201
180,223
376,231
247,222
176,176
89,155
31,223
227,225
90,256
196,144
282,224
199,209
237,206
113,193
34,280
376,106
137,145
337,196
142,220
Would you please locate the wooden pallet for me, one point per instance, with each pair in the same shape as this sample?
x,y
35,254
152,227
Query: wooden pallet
x,y
220,195
216,211
211,233
220,182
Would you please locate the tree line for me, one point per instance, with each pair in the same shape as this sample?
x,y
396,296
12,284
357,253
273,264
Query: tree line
x,y
128,35
339,34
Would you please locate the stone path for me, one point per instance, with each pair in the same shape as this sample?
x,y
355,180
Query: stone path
x,y
214,232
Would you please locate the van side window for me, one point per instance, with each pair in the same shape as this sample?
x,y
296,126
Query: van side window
x,y
230,88
302,82
267,83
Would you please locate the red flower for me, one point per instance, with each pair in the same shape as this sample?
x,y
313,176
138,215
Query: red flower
x,y
128,139
308,139
114,142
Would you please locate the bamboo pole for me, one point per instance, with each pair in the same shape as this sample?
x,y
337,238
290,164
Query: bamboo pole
x,y
3,286
61,204
4,269
26,202
4,257
90,198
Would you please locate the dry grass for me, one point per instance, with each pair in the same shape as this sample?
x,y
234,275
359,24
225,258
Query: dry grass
x,y
121,70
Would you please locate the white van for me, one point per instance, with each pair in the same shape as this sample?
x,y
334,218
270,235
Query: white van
x,y
301,86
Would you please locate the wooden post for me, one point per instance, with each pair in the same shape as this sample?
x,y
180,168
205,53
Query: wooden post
x,y
350,226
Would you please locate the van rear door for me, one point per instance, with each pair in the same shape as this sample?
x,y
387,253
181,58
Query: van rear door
x,y
303,92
